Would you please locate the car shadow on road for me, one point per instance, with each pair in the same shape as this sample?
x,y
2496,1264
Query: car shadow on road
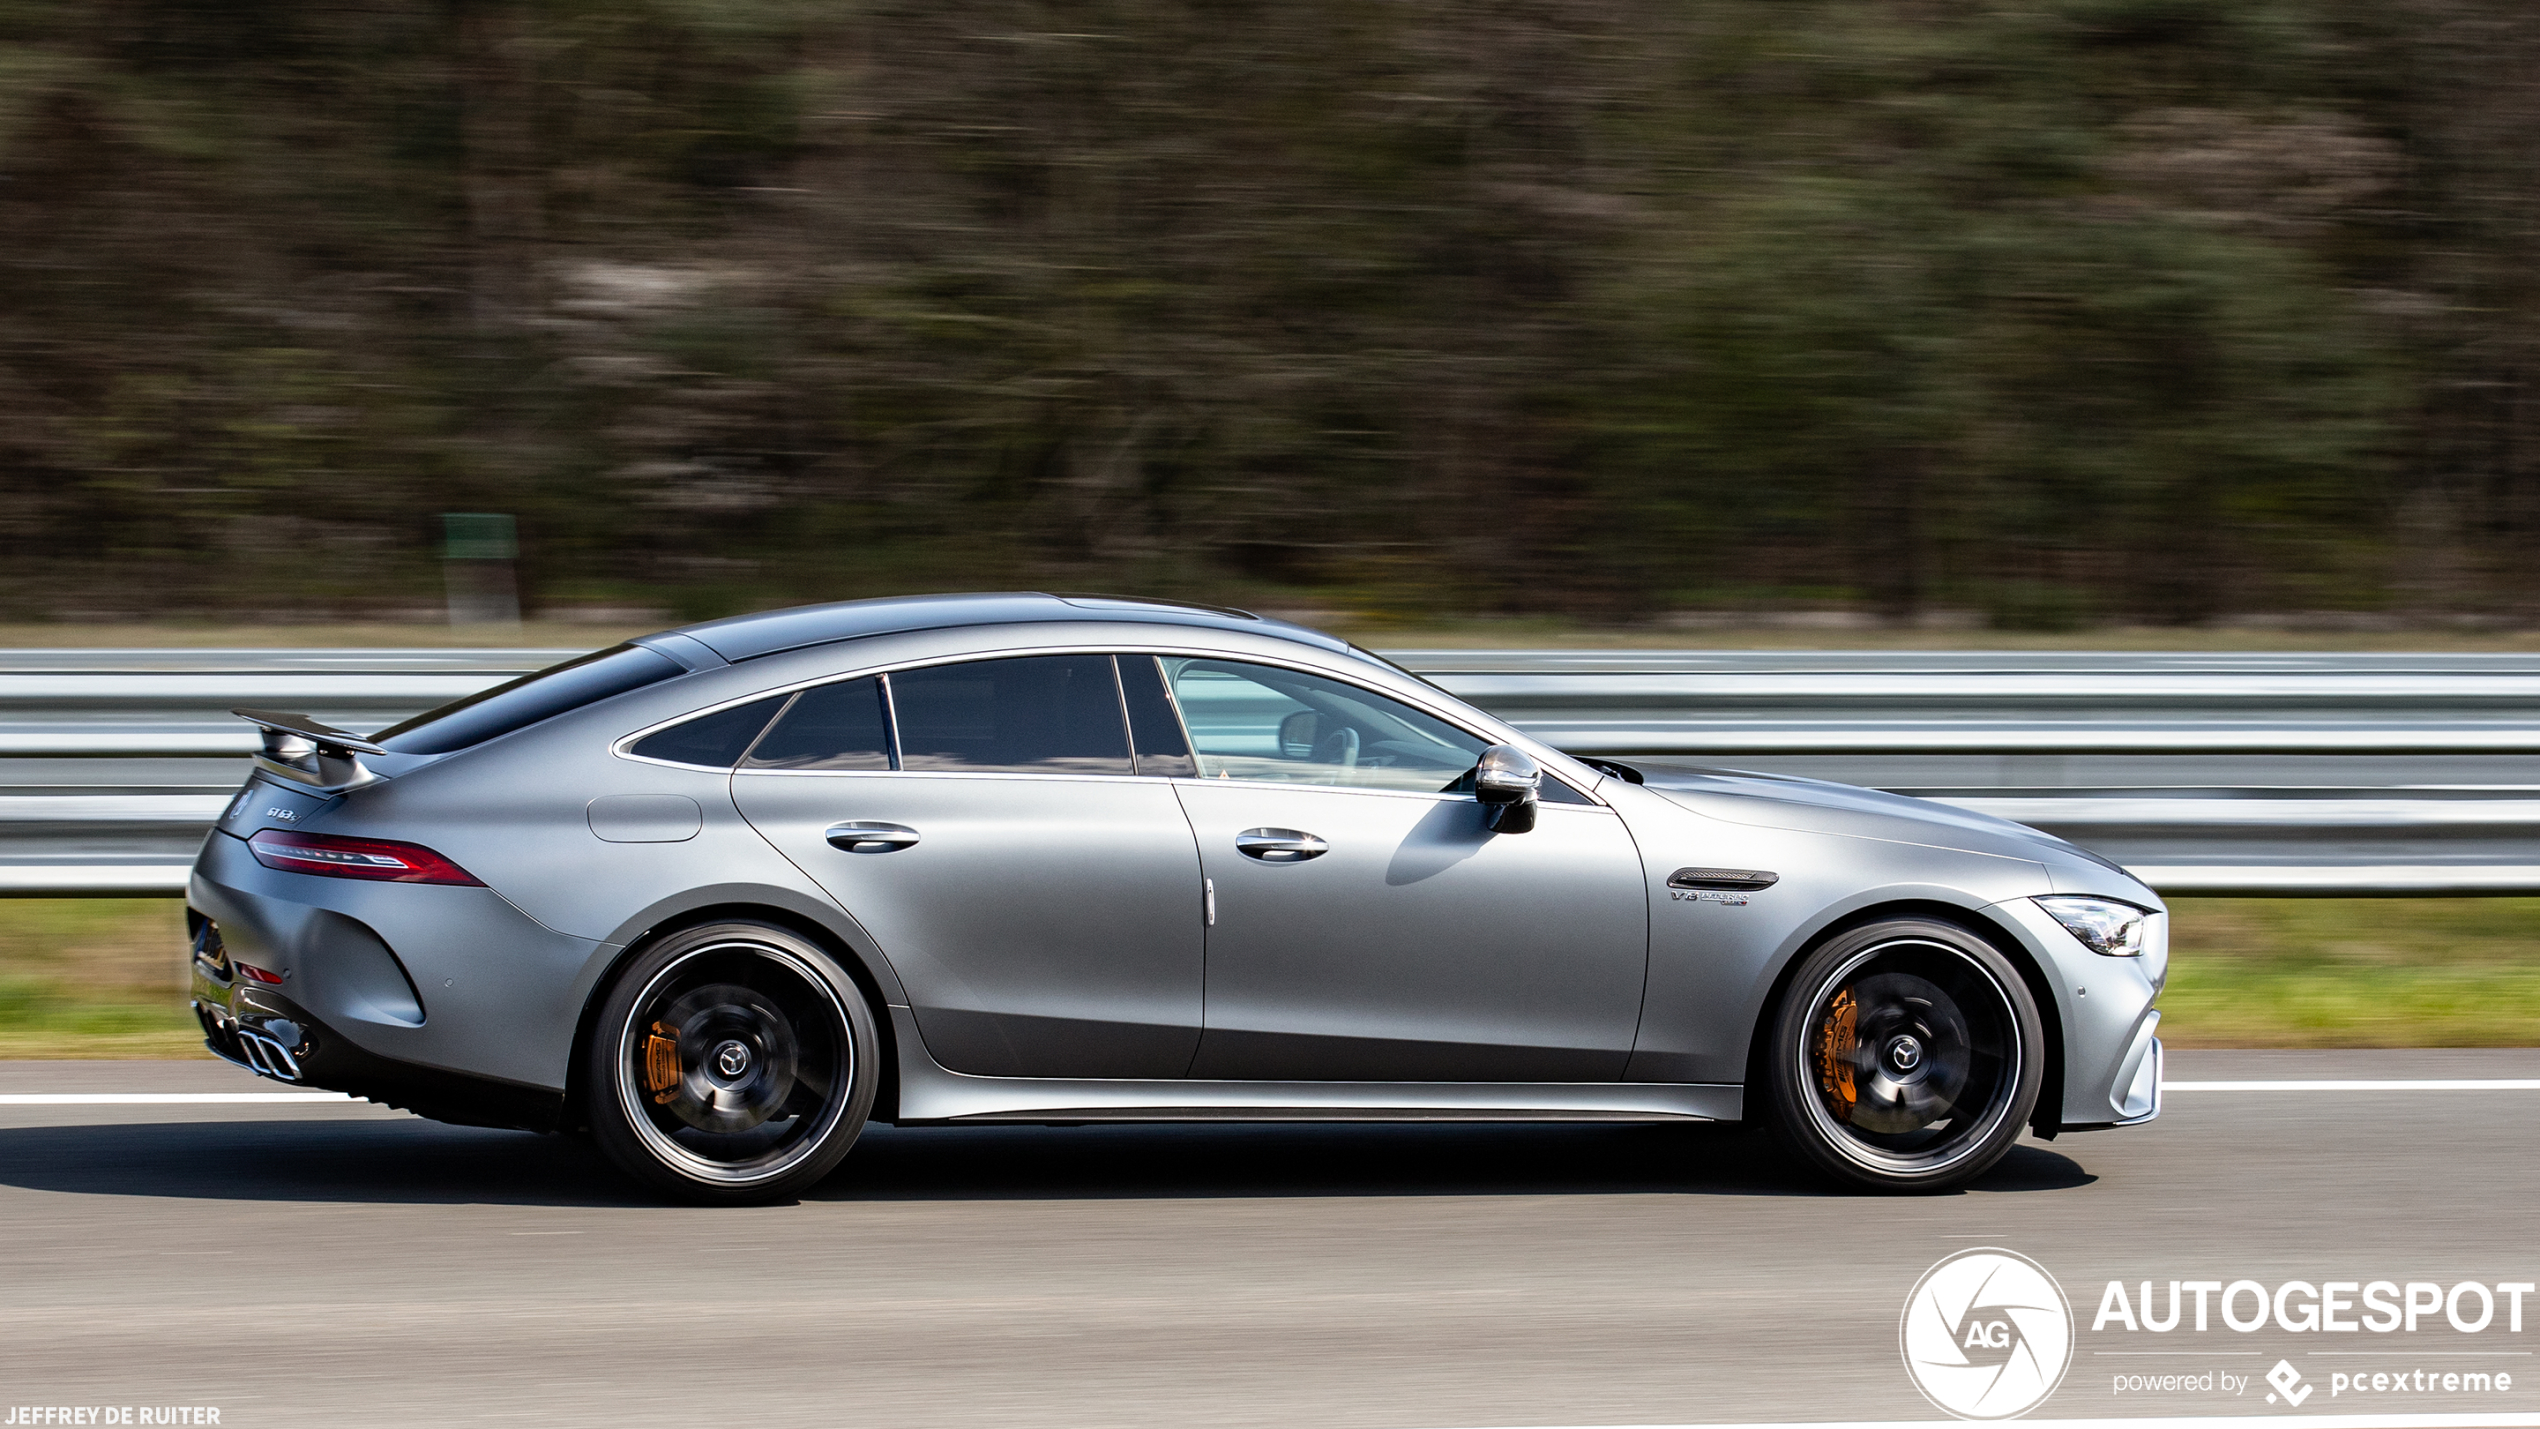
x,y
406,1160
1126,1162
401,1160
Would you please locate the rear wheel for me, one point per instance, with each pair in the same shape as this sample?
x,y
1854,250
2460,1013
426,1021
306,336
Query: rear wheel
x,y
731,1064
1906,1058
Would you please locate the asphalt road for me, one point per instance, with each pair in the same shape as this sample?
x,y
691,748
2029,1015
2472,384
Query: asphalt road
x,y
344,1265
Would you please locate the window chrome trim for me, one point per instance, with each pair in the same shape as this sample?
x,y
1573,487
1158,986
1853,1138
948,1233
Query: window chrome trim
x,y
890,730
931,774
620,746
1441,796
1143,779
755,740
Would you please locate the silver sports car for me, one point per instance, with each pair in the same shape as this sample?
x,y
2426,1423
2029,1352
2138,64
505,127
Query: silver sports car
x,y
719,896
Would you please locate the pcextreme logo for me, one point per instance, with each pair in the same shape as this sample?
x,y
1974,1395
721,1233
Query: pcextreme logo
x,y
1987,1334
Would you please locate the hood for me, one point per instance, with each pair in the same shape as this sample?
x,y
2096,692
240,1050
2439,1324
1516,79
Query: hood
x,y
1782,801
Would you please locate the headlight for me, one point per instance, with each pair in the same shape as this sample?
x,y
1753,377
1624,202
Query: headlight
x,y
2103,925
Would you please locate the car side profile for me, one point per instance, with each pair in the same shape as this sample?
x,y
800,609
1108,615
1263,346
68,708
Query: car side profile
x,y
720,896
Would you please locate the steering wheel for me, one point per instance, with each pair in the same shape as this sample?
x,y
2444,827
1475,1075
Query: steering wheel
x,y
1340,748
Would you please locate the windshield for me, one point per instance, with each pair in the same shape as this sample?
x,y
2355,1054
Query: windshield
x,y
529,699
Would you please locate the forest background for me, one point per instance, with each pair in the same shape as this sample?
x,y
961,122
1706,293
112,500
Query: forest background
x,y
2041,315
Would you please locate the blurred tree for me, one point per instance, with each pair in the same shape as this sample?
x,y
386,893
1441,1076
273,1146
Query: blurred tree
x,y
1950,316
2064,310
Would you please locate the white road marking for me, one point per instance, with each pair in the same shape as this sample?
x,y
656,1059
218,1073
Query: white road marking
x,y
2430,1084
162,1098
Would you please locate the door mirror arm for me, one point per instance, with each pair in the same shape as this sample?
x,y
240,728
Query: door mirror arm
x,y
1505,783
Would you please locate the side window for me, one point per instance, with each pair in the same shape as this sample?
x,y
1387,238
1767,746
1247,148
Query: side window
x,y
714,741
838,726
1260,722
1036,714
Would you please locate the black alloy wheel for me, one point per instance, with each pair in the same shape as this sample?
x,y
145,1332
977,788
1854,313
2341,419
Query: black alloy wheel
x,y
1907,1057
731,1064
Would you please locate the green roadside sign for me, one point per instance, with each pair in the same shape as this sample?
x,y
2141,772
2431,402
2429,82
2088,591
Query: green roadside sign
x,y
478,536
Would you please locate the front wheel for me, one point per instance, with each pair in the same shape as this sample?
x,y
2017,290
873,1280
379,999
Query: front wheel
x,y
1907,1057
732,1064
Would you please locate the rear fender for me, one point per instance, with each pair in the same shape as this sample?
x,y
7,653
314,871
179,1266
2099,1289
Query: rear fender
x,y
816,919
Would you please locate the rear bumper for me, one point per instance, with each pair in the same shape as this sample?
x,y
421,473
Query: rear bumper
x,y
447,1001
269,1034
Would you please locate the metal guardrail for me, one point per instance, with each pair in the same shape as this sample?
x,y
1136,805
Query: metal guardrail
x,y
2245,774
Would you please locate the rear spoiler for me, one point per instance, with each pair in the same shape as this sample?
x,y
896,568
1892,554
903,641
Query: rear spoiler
x,y
306,752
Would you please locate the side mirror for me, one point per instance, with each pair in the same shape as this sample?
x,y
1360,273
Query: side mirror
x,y
1297,734
1505,783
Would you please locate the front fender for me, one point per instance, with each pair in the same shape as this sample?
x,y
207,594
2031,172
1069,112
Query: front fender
x,y
1713,963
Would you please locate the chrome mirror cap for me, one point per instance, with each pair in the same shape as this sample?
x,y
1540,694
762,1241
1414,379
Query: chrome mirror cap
x,y
1506,775
1505,782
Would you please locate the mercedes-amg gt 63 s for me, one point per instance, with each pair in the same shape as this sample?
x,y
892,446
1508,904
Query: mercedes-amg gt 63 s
x,y
719,896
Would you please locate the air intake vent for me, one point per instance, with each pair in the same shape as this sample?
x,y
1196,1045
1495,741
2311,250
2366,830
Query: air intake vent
x,y
1740,880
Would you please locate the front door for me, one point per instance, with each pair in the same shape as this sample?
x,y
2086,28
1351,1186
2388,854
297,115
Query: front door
x,y
1367,926
1039,899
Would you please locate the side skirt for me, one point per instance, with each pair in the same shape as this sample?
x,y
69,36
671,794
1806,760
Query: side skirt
x,y
930,1093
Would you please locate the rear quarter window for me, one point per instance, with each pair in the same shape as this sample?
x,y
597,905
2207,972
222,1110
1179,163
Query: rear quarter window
x,y
521,703
713,741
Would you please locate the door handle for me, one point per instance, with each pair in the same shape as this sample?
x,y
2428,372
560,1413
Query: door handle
x,y
1279,845
865,837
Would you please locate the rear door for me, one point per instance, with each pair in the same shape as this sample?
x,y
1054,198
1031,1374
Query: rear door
x,y
1039,899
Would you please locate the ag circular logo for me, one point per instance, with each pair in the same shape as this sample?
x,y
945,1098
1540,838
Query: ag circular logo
x,y
1987,1334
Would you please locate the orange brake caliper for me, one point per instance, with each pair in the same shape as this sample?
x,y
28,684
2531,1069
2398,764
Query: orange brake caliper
x,y
1834,1055
661,1064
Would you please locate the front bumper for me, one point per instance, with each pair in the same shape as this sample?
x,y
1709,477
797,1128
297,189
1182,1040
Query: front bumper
x,y
2111,1056
2136,1097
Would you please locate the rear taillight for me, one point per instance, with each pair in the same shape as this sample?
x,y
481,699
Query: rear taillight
x,y
379,860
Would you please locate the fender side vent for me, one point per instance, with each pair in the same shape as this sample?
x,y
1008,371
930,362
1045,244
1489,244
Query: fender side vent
x,y
1741,880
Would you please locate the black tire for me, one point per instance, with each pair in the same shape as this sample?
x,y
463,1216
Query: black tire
x,y
1906,1057
731,1064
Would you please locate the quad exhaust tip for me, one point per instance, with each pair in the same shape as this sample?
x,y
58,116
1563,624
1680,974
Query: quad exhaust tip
x,y
268,1057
